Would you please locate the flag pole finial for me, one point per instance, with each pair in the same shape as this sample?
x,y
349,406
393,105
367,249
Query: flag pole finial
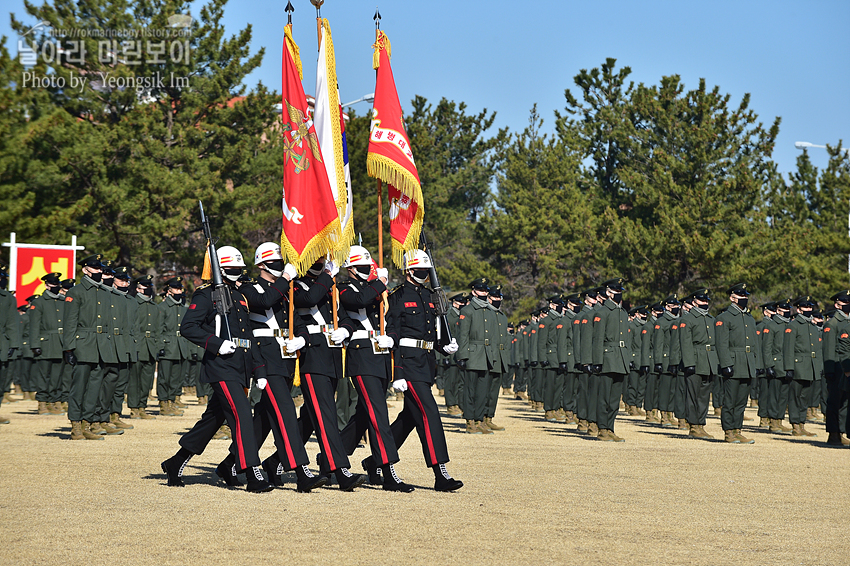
x,y
318,5
377,18
289,9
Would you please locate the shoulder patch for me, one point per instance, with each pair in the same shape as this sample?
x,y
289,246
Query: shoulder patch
x,y
718,323
431,305
758,332
463,316
845,335
675,327
584,321
534,332
827,329
576,321
643,331
767,330
596,319
542,326
681,325
788,331
69,299
657,327
560,326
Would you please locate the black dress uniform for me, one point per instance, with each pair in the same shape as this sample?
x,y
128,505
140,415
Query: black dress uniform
x,y
412,320
321,369
836,355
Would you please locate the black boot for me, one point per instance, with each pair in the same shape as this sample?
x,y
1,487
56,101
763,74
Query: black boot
x,y
274,469
348,481
226,471
173,467
392,482
307,481
372,471
443,481
256,482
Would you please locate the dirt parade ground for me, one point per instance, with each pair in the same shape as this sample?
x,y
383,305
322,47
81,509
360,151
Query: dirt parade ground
x,y
537,493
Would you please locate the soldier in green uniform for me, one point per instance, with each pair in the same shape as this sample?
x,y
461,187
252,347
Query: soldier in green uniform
x,y
88,347
661,354
801,363
583,351
498,332
67,370
173,353
531,352
567,358
46,329
535,389
9,338
476,355
508,376
816,391
770,330
639,365
452,382
521,382
650,399
553,380
699,361
23,363
735,332
679,386
117,327
146,326
778,387
125,318
612,343
836,356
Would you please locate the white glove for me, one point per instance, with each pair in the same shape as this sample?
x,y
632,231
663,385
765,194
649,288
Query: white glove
x,y
290,272
262,382
338,335
383,273
295,344
400,385
451,347
227,347
331,268
385,342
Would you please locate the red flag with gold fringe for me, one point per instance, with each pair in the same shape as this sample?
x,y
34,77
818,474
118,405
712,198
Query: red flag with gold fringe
x,y
390,157
311,226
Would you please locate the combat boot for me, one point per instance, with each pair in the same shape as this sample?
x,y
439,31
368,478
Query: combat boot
x,y
651,417
730,437
42,408
226,472
143,413
203,400
472,427
115,420
743,439
521,396
717,411
77,431
488,422
164,410
64,406
507,391
111,429
777,427
454,411
175,410
550,417
754,402
373,472
592,429
4,420
135,414
178,402
665,420
223,433
800,430
7,398
571,418
540,408
274,469
764,422
55,408
96,428
560,416
683,424
698,431
604,435
614,438
632,411
483,427
809,414
582,425
87,432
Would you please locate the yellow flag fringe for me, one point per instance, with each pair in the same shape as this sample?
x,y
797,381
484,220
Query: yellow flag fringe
x,y
293,49
381,42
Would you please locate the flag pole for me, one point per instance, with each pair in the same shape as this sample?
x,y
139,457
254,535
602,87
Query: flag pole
x,y
377,19
296,380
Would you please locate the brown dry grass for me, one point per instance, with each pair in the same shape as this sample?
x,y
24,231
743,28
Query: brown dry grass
x,y
536,493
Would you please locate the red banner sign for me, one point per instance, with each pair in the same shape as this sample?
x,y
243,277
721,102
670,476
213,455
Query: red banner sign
x,y
34,263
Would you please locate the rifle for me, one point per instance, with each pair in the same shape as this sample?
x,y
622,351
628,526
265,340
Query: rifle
x,y
442,301
221,295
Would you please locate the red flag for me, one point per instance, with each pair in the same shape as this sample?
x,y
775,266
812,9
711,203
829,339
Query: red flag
x,y
311,225
390,157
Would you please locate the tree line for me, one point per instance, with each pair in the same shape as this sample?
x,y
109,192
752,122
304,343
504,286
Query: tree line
x,y
671,188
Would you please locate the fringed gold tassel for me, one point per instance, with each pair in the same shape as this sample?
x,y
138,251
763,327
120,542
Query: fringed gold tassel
x,y
319,245
389,171
293,49
381,42
297,379
206,274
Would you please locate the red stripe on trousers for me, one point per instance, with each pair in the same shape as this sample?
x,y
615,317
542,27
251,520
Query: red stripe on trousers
x,y
374,420
289,454
239,448
327,445
425,422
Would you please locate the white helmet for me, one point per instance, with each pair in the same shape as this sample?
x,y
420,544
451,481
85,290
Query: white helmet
x,y
418,259
228,256
267,251
358,255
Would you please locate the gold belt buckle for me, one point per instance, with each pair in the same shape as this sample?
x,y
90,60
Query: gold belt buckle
x,y
747,349
814,355
708,347
501,346
147,333
178,333
59,330
622,344
116,331
99,330
486,341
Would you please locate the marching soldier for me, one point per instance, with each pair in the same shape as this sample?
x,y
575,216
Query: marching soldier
x,y
801,363
229,362
147,326
321,369
735,332
268,303
699,360
416,331
46,327
611,355
368,365
836,354
476,355
174,353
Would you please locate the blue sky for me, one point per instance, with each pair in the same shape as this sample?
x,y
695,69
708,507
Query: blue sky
x,y
791,56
